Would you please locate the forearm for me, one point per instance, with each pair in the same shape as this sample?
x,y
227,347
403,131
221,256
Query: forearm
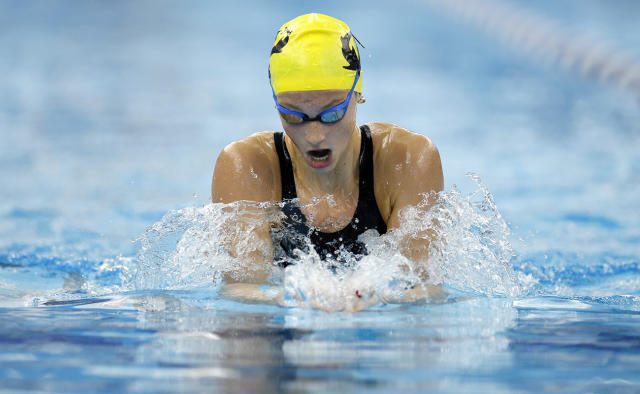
x,y
251,267
419,233
416,250
251,250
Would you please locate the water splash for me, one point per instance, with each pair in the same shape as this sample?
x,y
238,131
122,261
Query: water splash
x,y
473,252
469,253
187,248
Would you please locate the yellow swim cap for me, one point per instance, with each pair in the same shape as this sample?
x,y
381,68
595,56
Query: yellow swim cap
x,y
314,52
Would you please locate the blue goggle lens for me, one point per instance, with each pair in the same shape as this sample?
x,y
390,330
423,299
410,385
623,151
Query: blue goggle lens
x,y
333,116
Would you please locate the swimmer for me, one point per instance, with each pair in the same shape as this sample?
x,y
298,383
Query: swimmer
x,y
370,172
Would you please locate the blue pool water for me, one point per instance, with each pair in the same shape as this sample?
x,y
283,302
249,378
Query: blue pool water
x,y
112,115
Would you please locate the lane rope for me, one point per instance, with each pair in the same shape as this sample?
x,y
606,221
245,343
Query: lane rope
x,y
545,40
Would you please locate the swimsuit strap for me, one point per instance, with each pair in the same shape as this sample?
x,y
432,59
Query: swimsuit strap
x,y
367,210
286,169
366,163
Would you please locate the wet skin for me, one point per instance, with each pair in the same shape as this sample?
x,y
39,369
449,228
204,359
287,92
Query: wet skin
x,y
325,162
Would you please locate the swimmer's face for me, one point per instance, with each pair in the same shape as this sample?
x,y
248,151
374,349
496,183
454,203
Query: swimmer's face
x,y
322,144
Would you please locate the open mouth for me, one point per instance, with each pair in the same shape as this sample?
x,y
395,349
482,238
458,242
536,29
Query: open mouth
x,y
320,154
319,158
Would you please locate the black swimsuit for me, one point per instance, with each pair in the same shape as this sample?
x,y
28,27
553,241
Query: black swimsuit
x,y
294,233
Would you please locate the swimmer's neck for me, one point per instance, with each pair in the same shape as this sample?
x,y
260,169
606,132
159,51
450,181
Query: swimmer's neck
x,y
340,181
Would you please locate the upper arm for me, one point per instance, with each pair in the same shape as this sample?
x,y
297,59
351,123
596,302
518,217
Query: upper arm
x,y
417,170
245,171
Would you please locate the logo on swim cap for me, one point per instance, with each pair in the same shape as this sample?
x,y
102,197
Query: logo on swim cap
x,y
277,48
350,53
314,52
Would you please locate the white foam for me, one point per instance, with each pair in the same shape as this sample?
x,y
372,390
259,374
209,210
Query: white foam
x,y
470,254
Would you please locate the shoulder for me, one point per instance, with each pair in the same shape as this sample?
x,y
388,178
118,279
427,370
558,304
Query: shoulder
x,y
249,151
246,170
406,165
400,151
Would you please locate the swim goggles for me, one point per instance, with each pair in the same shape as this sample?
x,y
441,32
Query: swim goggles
x,y
330,115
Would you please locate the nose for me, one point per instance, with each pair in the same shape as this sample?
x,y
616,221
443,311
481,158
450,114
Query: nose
x,y
315,133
